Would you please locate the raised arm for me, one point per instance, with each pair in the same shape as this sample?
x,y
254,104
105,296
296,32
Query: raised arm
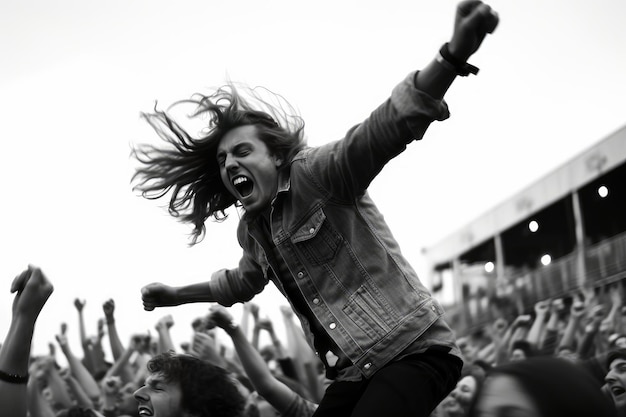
x,y
117,349
577,312
165,337
535,334
78,392
32,289
267,325
474,20
78,370
279,395
121,368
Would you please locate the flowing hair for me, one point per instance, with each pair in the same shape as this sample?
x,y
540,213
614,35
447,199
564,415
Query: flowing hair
x,y
187,168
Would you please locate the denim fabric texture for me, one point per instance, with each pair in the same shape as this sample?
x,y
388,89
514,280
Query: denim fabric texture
x,y
337,245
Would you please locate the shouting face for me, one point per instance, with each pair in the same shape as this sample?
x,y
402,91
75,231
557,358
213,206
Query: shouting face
x,y
159,398
616,382
248,169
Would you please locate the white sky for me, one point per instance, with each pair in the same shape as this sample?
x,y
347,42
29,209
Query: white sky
x,y
74,76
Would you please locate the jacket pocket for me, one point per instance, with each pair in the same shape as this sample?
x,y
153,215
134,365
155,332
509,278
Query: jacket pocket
x,y
371,314
317,239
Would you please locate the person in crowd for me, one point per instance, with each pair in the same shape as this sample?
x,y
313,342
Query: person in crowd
x,y
180,385
32,290
310,227
615,379
520,350
541,387
458,402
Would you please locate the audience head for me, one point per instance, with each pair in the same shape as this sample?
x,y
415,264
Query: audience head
x,y
520,350
185,386
541,387
615,378
457,403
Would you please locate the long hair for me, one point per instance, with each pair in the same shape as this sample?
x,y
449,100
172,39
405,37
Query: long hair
x,y
187,168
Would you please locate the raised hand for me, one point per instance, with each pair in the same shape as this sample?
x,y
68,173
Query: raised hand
x,y
100,329
79,304
220,316
557,306
542,307
33,290
474,20
108,307
158,295
62,338
164,323
254,310
203,346
578,307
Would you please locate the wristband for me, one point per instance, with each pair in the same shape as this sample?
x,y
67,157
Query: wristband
x,y
13,378
452,63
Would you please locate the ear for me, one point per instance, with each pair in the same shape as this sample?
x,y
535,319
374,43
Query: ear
x,y
278,160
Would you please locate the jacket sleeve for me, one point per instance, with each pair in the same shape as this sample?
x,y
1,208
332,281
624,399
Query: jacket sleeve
x,y
345,168
230,286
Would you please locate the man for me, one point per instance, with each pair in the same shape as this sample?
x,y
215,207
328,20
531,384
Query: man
x,y
615,380
185,386
311,228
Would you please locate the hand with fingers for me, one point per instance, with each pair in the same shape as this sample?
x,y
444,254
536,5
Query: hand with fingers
x,y
79,304
108,308
221,317
159,295
32,290
474,20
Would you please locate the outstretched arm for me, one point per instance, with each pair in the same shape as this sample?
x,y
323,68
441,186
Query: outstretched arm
x,y
32,289
161,295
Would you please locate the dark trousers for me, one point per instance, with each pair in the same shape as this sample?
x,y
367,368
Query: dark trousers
x,y
412,386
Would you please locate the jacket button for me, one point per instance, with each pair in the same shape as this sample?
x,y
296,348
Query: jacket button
x,y
312,230
316,301
300,274
332,326
367,366
433,308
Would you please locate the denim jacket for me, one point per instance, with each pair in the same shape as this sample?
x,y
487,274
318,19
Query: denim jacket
x,y
337,246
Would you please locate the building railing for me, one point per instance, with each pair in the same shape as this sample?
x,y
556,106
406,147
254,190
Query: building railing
x,y
605,262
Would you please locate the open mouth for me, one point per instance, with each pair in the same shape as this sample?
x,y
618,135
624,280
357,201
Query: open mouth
x,y
144,411
617,391
243,185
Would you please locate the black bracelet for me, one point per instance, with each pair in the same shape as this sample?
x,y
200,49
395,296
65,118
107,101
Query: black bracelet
x,y
460,67
13,378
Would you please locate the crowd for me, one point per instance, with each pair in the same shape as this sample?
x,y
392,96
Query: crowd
x,y
567,357
204,375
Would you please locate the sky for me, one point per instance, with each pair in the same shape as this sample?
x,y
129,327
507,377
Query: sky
x,y
75,75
